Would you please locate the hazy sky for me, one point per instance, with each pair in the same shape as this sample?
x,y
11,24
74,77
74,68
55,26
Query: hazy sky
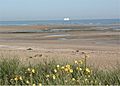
x,y
58,9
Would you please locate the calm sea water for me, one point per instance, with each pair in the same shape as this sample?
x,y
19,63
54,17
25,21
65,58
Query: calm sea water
x,y
61,22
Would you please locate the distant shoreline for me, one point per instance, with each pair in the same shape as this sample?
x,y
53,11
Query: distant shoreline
x,y
58,28
61,22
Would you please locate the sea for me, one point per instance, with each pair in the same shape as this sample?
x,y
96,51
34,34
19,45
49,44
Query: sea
x,y
61,22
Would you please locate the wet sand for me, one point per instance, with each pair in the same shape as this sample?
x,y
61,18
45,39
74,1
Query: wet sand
x,y
101,44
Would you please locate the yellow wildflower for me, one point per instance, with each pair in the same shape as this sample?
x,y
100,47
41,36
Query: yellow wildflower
x,y
88,75
62,67
76,62
53,76
27,82
71,70
11,79
47,76
78,68
33,70
33,85
40,84
16,78
67,66
86,79
20,78
88,70
100,83
55,70
29,69
73,79
66,69
58,66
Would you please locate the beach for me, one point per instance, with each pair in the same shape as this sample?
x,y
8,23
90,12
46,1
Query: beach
x,y
59,42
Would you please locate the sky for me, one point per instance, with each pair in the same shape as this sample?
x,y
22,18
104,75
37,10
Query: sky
x,y
58,9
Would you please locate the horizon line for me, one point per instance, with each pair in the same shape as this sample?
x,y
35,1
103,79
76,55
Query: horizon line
x,y
60,19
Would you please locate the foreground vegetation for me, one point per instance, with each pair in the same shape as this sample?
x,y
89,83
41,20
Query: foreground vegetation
x,y
12,72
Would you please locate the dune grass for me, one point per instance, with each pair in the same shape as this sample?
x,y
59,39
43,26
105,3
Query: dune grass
x,y
13,72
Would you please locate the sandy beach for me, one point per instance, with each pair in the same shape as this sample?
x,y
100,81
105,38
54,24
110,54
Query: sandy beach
x,y
100,43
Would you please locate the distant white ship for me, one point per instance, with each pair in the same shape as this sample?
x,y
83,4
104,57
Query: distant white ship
x,y
66,19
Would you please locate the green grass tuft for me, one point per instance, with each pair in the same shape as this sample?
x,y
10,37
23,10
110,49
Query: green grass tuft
x,y
12,72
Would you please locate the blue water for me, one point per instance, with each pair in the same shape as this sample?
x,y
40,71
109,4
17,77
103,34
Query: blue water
x,y
61,22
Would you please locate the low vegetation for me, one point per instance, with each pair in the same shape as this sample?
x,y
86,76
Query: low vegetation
x,y
12,72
